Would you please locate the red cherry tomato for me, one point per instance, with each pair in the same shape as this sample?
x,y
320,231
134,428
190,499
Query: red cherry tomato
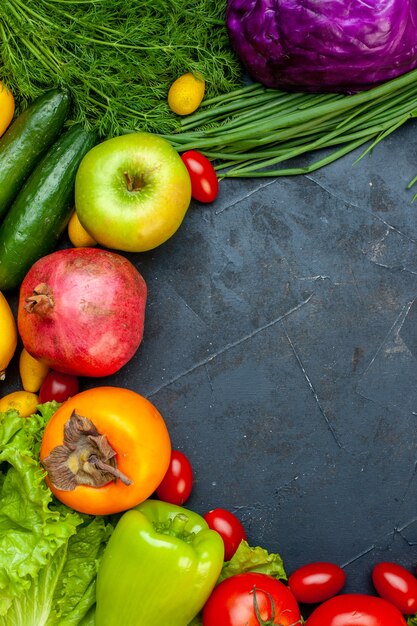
x,y
58,386
242,599
204,183
178,481
316,582
397,585
356,610
229,528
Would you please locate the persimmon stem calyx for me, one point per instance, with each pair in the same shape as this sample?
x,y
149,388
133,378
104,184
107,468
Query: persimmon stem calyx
x,y
84,458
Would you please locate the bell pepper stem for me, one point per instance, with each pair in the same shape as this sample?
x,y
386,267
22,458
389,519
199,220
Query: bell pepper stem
x,y
179,523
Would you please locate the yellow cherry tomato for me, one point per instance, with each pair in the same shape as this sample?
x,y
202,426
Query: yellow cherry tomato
x,y
77,234
6,108
24,402
186,93
32,371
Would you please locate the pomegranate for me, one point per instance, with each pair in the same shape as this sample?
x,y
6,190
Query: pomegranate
x,y
81,311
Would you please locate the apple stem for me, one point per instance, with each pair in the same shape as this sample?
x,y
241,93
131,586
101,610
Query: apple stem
x,y
134,184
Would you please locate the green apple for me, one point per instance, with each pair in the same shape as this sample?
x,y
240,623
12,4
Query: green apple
x,y
132,192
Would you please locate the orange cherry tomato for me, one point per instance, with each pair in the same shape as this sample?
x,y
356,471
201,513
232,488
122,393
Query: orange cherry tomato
x,y
137,434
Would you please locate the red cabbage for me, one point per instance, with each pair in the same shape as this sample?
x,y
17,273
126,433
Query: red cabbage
x,y
324,45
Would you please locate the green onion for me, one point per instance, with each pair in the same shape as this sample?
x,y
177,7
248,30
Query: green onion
x,y
252,130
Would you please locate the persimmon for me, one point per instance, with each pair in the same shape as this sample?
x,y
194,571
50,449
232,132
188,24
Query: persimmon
x,y
105,450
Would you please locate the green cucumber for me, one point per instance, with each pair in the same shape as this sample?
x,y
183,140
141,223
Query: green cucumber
x,y
42,209
31,134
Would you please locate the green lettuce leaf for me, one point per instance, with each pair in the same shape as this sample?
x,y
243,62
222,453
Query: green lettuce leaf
x,y
49,554
89,619
412,620
253,559
76,590
63,593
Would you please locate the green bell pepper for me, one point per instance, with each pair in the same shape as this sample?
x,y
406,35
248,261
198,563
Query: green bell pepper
x,y
159,567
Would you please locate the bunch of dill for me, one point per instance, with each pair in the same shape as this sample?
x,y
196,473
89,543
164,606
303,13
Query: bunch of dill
x,y
116,57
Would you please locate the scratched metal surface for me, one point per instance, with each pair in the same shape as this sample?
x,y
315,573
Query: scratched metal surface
x,y
280,346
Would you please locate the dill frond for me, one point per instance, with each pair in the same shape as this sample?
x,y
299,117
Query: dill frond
x,y
118,58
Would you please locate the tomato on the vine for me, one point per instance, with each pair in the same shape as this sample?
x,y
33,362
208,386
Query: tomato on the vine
x,y
177,483
229,527
204,182
58,387
316,582
358,609
251,599
397,585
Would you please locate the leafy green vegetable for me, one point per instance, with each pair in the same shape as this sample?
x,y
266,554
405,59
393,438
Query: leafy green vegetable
x,y
412,620
117,57
253,559
48,553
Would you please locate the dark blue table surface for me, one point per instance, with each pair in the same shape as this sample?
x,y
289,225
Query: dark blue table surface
x,y
280,346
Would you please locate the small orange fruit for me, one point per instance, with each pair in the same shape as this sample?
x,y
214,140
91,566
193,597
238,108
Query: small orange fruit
x,y
6,108
186,93
77,234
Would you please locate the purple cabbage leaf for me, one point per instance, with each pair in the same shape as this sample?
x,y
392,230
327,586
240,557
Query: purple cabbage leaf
x,y
324,45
